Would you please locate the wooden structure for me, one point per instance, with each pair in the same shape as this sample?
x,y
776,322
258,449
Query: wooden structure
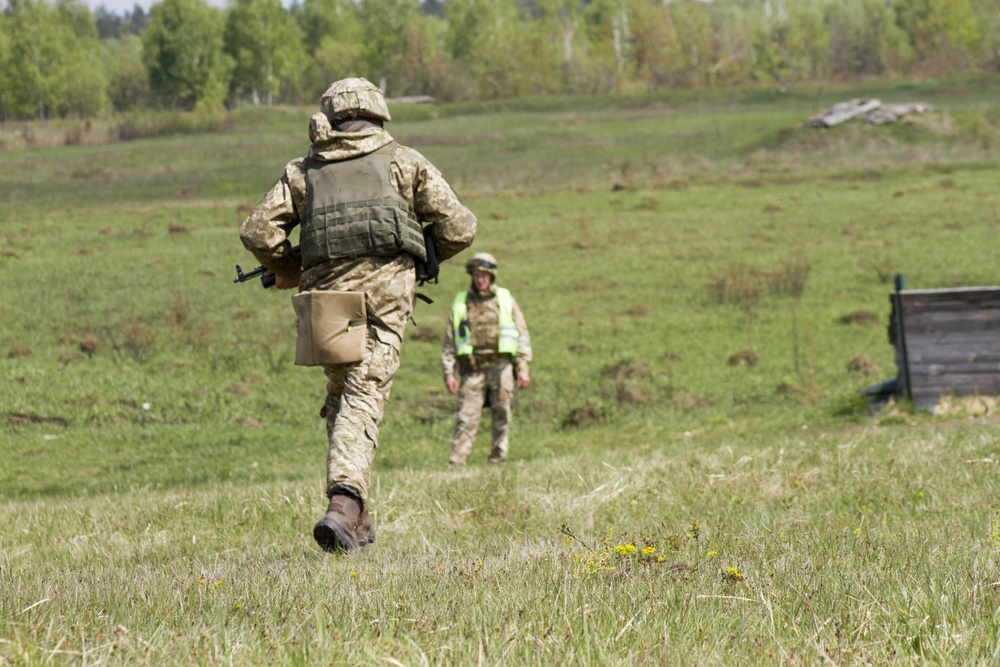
x,y
946,342
872,112
843,111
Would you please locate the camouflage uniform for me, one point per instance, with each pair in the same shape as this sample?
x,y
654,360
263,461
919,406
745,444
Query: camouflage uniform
x,y
357,393
485,376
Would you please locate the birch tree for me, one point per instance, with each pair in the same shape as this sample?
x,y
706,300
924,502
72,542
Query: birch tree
x,y
182,50
265,47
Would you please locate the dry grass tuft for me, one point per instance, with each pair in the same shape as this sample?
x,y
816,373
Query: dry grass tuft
x,y
862,317
743,358
864,365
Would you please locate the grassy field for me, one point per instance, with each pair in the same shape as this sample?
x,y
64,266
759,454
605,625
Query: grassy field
x,y
693,476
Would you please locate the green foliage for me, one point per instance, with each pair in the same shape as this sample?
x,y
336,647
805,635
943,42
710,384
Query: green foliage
x,y
182,50
128,80
263,42
332,37
36,55
864,39
163,458
384,40
472,50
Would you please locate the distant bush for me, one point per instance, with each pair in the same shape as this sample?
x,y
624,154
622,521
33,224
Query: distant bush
x,y
141,124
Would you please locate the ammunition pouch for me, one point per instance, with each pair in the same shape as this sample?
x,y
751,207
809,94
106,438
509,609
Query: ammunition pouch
x,y
333,327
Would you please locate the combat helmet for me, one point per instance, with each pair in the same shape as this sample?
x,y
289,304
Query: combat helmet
x,y
482,261
354,98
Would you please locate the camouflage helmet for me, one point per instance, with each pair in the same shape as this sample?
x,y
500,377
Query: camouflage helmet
x,y
354,98
482,261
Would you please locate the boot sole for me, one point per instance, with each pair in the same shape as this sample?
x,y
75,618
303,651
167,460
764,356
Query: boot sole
x,y
332,538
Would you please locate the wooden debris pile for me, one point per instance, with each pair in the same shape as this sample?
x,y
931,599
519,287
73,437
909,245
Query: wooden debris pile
x,y
871,111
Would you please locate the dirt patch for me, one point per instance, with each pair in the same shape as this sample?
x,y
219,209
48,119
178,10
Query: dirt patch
x,y
628,370
584,416
18,351
743,358
426,333
89,346
863,364
685,402
863,317
21,418
635,394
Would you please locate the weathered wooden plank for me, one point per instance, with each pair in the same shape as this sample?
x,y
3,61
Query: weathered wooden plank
x,y
952,326
843,111
934,369
890,113
969,296
968,309
954,356
949,292
971,340
967,384
931,316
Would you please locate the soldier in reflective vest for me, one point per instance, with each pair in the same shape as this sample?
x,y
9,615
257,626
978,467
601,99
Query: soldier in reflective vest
x,y
486,352
361,201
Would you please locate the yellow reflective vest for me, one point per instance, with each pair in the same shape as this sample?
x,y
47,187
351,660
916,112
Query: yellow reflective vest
x,y
507,343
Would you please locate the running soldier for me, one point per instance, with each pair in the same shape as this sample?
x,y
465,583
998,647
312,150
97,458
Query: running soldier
x,y
361,200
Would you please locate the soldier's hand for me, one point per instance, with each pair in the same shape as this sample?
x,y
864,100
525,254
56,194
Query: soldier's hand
x,y
281,282
452,384
523,380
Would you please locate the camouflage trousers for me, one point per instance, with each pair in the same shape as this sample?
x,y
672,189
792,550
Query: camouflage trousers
x,y
356,395
490,384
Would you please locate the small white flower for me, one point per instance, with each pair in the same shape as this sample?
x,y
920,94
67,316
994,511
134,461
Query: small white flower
x,y
146,406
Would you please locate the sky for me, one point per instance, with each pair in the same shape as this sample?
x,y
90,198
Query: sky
x,y
121,6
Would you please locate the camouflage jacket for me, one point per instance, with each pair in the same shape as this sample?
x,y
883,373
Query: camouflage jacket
x,y
266,231
484,322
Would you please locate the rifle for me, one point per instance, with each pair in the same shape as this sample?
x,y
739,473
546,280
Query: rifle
x,y
427,270
265,280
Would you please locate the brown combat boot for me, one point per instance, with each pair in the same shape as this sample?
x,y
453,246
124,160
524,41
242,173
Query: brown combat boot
x,y
337,532
366,529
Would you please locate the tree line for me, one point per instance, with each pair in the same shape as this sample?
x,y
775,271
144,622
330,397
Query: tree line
x,y
57,58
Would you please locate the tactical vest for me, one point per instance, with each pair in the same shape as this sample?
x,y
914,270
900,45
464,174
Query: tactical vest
x,y
506,344
353,211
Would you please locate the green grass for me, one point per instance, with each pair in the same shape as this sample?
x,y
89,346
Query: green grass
x,y
163,460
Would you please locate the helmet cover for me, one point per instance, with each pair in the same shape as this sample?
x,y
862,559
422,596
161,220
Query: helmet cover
x,y
354,98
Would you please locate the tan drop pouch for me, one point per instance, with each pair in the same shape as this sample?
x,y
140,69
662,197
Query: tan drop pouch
x,y
332,327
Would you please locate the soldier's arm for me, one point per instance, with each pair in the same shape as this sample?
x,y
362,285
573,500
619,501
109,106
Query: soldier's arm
x,y
435,202
448,351
265,232
523,357
448,358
